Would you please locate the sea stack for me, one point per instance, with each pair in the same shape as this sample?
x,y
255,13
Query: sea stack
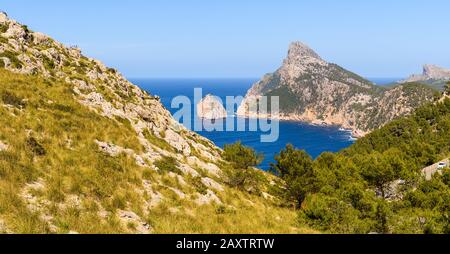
x,y
211,108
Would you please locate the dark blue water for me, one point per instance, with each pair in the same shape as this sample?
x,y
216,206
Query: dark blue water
x,y
314,139
385,81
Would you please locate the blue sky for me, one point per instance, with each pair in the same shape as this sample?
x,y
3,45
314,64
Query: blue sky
x,y
232,38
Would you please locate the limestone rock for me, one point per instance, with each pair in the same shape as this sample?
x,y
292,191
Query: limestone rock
x,y
129,218
3,17
178,142
211,108
430,72
3,146
209,198
210,183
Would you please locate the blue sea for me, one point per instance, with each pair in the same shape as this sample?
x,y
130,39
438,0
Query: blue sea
x,y
314,139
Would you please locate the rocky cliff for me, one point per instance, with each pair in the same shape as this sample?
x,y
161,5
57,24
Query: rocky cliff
x,y
315,91
211,108
83,150
431,75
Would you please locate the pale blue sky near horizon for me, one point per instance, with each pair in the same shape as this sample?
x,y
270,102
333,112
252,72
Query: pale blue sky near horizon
x,y
236,39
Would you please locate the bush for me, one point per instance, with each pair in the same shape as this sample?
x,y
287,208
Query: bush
x,y
295,167
3,39
249,180
49,64
13,100
3,28
36,148
15,62
63,108
331,214
159,142
167,164
198,185
447,88
242,157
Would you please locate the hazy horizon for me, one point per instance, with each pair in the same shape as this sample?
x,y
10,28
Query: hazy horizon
x,y
236,39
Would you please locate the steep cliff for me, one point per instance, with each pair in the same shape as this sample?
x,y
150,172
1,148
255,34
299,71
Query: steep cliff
x,y
432,75
318,92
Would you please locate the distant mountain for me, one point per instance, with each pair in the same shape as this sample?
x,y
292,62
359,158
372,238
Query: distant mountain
x,y
315,91
432,75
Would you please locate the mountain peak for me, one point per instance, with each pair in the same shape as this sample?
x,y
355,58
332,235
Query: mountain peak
x,y
3,17
299,50
430,72
435,72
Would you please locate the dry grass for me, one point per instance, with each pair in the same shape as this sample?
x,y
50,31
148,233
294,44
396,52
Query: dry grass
x,y
51,139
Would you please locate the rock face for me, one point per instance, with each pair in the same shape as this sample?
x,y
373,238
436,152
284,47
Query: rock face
x,y
211,108
432,75
3,146
315,91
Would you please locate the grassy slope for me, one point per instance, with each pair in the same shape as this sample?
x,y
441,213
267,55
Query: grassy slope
x,y
51,139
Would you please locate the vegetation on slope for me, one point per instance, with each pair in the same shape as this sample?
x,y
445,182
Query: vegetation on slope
x,y
376,185
54,178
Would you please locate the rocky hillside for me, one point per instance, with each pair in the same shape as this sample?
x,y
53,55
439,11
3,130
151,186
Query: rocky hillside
x,y
318,92
82,150
432,75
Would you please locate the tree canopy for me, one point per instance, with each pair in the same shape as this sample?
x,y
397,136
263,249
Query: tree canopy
x,y
376,185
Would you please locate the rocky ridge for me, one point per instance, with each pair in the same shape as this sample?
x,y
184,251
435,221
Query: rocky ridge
x,y
432,75
430,72
315,91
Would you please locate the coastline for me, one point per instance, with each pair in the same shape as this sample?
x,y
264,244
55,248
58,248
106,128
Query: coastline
x,y
354,134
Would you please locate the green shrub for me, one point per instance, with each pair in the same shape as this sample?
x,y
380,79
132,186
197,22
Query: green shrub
x,y
331,214
242,157
447,88
13,100
243,175
159,142
167,164
249,180
15,62
36,148
49,64
3,39
3,28
295,167
198,185
63,108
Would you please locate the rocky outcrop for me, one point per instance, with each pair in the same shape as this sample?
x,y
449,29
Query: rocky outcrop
x,y
3,146
430,72
434,76
211,108
315,91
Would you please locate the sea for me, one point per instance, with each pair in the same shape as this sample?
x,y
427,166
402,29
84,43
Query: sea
x,y
311,138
